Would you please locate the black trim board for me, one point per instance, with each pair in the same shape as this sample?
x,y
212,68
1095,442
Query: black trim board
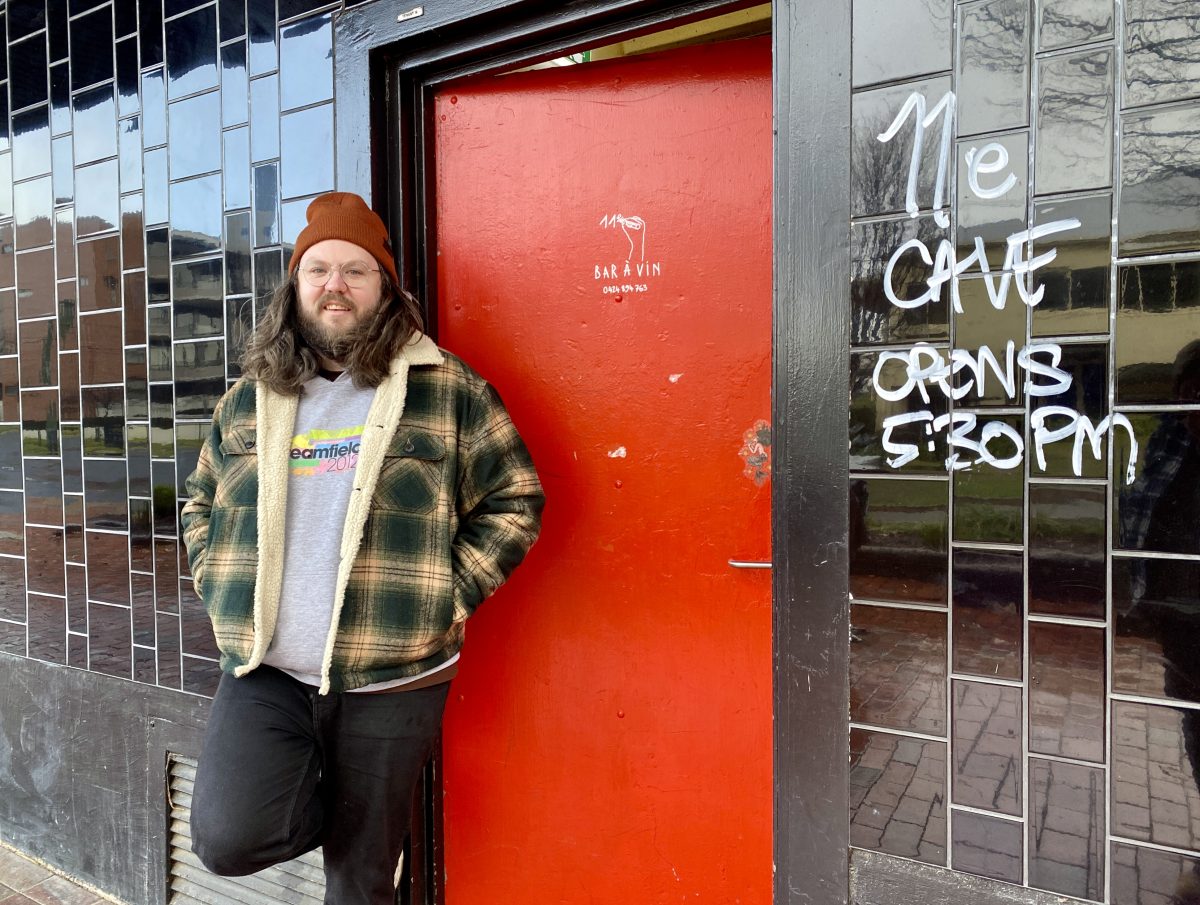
x,y
85,772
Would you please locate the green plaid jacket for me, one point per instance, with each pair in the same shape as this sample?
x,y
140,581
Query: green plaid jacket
x,y
445,506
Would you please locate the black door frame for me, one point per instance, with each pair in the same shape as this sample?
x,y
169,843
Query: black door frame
x,y
389,57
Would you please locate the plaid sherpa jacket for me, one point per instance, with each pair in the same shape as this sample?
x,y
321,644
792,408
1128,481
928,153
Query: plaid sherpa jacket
x,y
446,505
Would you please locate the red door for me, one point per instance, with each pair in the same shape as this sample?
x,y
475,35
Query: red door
x,y
604,260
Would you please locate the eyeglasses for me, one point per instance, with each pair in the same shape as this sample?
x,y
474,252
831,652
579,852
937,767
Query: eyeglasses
x,y
354,274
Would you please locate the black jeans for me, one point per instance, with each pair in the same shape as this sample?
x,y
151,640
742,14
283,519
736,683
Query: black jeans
x,y
285,769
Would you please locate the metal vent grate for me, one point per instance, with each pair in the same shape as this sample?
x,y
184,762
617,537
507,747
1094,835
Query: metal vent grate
x,y
298,882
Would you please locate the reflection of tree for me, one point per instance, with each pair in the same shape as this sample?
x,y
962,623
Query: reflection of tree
x,y
1160,162
1162,50
1075,109
1067,22
995,60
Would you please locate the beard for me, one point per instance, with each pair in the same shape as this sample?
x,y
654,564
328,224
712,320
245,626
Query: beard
x,y
336,344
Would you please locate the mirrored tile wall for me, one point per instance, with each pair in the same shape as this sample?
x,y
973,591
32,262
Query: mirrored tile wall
x,y
156,158
1025,442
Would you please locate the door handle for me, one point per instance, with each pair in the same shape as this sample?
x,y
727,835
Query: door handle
x,y
749,564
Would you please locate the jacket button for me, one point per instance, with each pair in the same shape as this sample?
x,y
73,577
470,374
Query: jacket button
x,y
409,447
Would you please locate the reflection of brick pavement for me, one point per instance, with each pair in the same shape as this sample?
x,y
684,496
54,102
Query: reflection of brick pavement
x,y
1066,691
987,746
898,668
1067,830
897,795
1155,794
1143,876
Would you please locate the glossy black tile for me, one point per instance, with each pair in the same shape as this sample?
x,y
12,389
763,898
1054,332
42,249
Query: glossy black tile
x,y
11,442
25,18
306,62
1076,283
8,261
124,18
163,473
306,151
201,675
44,491
33,206
77,650
162,430
1160,181
135,308
926,26
130,142
104,482
196,219
141,591
137,442
898,795
76,597
987,604
1162,52
989,501
100,273
293,217
898,540
986,746
38,348
12,592
97,197
879,170
235,85
1066,691
1086,364
12,523
988,334
27,72
898,668
68,391
993,82
72,461
154,109
169,666
63,169
237,168
874,318
237,254
261,28
166,570
150,31
239,325
154,178
194,135
60,99
44,560
1141,876
6,186
110,645
1073,149
268,274
92,48
992,206
199,381
95,118
158,327
128,100
35,284
264,118
198,302
189,438
232,19
1067,531
1156,639
1068,22
30,144
133,220
266,204
987,846
101,347
158,266
192,53
178,7
1158,319
103,421
74,513
1156,774
891,418
8,323
10,391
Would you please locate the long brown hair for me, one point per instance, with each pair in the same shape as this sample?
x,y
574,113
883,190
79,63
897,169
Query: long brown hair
x,y
279,356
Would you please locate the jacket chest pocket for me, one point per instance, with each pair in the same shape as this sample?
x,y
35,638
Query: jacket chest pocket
x,y
412,475
237,484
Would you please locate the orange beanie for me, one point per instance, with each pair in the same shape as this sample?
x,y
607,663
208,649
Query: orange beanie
x,y
343,215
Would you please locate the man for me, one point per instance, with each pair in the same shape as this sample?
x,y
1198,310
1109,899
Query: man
x,y
360,494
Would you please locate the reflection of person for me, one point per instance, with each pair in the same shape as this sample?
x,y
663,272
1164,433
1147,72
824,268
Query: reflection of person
x,y
1160,513
360,494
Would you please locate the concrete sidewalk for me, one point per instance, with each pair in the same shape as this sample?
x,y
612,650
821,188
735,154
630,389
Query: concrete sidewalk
x,y
25,882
